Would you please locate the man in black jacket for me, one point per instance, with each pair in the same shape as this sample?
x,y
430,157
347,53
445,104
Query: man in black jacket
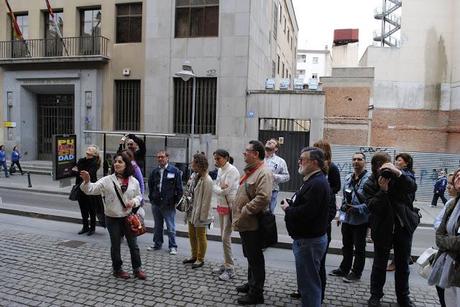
x,y
306,221
165,190
388,193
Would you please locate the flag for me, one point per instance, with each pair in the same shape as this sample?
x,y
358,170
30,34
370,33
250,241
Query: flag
x,y
17,31
56,26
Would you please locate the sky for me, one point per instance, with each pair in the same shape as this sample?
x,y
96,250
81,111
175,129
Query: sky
x,y
317,20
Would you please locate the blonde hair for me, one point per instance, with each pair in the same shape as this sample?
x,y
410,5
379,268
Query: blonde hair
x,y
94,151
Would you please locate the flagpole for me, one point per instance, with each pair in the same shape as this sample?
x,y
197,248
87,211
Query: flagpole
x,y
56,27
16,28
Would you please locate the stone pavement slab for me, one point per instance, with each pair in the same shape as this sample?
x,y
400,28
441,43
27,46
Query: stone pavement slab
x,y
40,270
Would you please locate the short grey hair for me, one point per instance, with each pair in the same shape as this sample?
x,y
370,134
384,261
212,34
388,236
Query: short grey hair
x,y
315,154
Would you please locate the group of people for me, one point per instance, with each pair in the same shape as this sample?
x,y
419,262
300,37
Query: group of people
x,y
380,199
15,157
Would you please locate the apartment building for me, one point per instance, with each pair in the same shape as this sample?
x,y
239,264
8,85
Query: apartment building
x,y
313,64
115,67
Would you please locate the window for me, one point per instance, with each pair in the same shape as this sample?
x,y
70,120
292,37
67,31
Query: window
x,y
288,36
18,48
273,69
315,60
127,105
197,18
301,72
205,105
279,63
53,31
23,23
90,29
281,13
275,20
129,23
285,23
302,58
283,70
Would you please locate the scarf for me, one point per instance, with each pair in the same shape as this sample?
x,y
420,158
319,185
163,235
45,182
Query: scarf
x,y
443,268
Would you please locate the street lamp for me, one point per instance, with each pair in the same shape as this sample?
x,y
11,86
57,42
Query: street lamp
x,y
185,74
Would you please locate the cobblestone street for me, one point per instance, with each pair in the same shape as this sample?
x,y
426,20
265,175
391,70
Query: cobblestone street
x,y
43,270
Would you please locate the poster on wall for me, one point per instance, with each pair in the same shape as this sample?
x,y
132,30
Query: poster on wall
x,y
64,155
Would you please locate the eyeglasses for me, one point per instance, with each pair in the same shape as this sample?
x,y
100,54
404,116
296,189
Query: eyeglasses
x,y
304,159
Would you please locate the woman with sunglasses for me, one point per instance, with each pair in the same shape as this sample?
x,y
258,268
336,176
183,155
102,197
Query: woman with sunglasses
x,y
121,184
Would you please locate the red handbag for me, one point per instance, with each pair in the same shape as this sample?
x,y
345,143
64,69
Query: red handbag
x,y
134,221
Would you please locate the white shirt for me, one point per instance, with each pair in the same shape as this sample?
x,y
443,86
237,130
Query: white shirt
x,y
162,170
229,175
279,169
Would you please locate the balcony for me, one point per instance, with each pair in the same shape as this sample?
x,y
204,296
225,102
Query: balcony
x,y
54,50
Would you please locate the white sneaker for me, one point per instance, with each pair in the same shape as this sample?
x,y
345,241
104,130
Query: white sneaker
x,y
227,275
173,251
219,270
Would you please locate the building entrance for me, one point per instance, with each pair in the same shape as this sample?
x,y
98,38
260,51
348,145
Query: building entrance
x,y
55,116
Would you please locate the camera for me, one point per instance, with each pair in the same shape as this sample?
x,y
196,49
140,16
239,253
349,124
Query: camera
x,y
348,195
386,173
289,201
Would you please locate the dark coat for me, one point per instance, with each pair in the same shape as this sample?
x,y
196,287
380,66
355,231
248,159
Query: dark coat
x,y
307,217
171,187
388,208
89,165
440,185
333,177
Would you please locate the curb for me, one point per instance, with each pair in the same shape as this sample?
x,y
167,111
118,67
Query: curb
x,y
179,233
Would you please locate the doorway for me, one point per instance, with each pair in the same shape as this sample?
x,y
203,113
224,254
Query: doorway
x,y
55,116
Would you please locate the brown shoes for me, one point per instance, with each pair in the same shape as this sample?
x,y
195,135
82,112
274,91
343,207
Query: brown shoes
x,y
140,275
121,274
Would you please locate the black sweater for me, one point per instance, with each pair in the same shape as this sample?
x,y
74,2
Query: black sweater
x,y
307,217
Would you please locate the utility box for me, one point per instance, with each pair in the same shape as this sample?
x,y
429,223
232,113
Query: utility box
x,y
345,36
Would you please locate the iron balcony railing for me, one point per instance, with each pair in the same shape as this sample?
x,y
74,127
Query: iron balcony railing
x,y
54,47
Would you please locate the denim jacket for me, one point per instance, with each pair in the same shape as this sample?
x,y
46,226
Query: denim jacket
x,y
359,214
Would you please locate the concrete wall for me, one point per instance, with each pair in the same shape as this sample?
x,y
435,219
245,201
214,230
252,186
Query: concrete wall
x,y
345,56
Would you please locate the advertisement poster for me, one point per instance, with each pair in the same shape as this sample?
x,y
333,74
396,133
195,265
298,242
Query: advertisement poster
x,y
65,155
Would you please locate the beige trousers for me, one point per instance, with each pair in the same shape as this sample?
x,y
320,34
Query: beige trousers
x,y
226,236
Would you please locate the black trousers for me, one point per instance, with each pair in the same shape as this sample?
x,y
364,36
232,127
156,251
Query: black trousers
x,y
402,242
353,240
18,164
116,227
88,206
252,250
436,196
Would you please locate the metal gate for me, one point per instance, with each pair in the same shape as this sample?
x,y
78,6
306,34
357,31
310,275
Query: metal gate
x,y
293,142
55,116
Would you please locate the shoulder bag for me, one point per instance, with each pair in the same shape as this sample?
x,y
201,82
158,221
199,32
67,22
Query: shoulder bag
x,y
74,193
134,221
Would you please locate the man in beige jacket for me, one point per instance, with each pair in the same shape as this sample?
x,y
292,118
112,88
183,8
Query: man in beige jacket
x,y
252,198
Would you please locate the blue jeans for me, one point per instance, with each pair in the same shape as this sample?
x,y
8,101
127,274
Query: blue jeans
x,y
116,226
5,168
163,215
273,201
308,254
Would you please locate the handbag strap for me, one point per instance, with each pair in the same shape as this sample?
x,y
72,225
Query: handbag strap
x,y
133,210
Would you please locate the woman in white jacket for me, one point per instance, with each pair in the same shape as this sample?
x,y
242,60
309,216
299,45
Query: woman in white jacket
x,y
121,180
225,188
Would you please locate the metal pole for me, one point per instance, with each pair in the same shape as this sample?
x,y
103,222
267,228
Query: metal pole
x,y
28,179
384,6
192,132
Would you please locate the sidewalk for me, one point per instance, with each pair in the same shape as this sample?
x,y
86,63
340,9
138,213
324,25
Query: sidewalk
x,y
45,184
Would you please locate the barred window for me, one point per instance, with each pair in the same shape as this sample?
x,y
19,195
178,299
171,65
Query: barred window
x,y
205,105
127,105
197,18
275,20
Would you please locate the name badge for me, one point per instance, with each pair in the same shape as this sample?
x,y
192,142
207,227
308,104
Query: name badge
x,y
170,175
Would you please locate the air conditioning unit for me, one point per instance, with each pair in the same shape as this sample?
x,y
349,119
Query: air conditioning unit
x,y
126,72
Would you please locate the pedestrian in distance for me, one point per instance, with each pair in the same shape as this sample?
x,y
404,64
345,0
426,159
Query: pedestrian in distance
x,y
15,157
354,217
278,167
252,198
120,182
165,190
445,273
439,189
306,222
3,160
88,203
199,215
388,194
225,188
136,145
437,222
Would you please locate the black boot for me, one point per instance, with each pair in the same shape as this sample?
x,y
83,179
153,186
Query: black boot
x,y
251,299
83,230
